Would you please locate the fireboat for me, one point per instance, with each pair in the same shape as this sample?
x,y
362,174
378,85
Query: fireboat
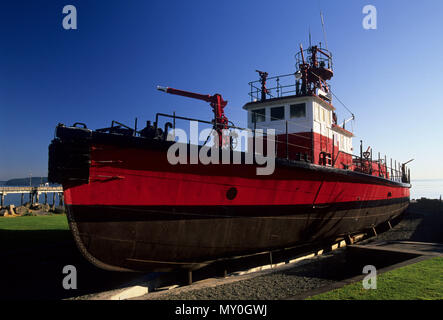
x,y
130,209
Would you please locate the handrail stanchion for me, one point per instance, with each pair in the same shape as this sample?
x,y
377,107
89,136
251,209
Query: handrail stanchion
x,y
361,155
379,167
400,172
287,146
392,172
254,137
333,150
173,121
312,145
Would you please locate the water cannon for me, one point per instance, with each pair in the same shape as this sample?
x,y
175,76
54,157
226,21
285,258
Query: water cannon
x,y
217,103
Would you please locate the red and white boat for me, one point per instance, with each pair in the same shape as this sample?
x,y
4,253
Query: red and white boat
x,y
130,209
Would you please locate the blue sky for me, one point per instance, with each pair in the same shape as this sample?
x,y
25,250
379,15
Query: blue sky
x,y
109,67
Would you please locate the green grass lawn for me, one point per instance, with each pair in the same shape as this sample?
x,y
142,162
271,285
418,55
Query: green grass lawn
x,y
419,281
49,222
33,230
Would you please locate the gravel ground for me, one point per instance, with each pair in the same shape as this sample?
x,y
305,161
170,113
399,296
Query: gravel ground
x,y
422,222
283,285
401,232
270,286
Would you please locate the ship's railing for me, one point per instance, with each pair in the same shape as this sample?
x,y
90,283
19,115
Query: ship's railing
x,y
277,86
174,118
287,84
322,60
378,167
120,128
304,155
365,163
172,125
361,163
284,148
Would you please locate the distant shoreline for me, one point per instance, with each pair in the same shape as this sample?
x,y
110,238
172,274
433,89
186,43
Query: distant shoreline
x,y
18,182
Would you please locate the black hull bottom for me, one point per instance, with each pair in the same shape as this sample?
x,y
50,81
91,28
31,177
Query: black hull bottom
x,y
151,239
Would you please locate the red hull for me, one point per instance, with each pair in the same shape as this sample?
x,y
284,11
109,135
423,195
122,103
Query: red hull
x,y
145,178
138,212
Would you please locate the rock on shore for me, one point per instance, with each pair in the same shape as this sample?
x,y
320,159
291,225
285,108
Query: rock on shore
x,y
30,209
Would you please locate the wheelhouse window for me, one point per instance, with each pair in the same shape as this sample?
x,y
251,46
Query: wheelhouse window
x,y
318,112
298,110
277,113
258,115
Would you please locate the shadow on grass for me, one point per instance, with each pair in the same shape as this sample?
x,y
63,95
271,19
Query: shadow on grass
x,y
31,264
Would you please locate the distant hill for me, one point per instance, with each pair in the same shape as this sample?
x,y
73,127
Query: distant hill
x,y
35,181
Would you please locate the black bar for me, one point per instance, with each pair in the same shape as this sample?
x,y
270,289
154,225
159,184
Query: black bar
x,y
333,150
361,154
287,148
312,145
135,129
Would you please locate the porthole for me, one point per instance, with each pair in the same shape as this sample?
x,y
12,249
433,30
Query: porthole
x,y
231,193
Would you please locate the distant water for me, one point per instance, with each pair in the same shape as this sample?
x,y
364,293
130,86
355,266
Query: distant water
x,y
427,188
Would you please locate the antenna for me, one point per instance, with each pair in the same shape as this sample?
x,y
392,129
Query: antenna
x,y
310,45
323,27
